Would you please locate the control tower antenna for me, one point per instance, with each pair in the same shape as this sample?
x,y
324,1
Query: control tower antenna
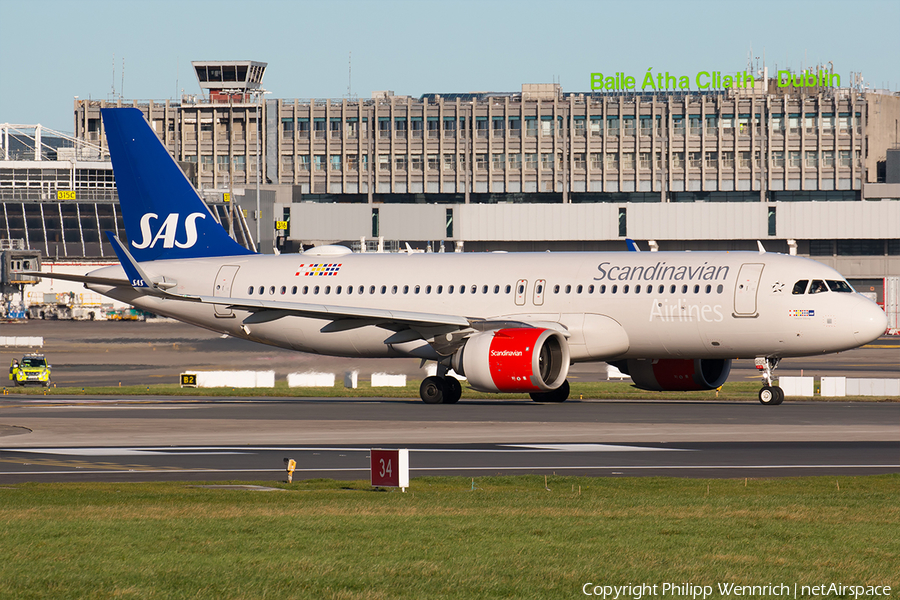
x,y
113,93
122,88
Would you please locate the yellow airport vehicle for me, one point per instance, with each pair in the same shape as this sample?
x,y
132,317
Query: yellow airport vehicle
x,y
33,369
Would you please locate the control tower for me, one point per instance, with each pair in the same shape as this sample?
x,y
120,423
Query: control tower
x,y
229,80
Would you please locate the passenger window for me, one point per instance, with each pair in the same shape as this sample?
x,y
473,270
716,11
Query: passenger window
x,y
337,290
250,291
271,289
462,289
672,290
540,289
508,289
417,289
556,289
449,289
361,289
662,289
484,289
316,290
614,289
637,289
327,289
384,289
568,289
305,289
294,291
394,289
440,289
817,287
800,286
591,289
371,289
708,289
474,288
521,289
261,290
720,288
349,289
840,286
696,289
405,289
649,289
603,289
496,289
283,290
684,289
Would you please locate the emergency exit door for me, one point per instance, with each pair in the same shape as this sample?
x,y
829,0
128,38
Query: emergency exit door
x,y
222,288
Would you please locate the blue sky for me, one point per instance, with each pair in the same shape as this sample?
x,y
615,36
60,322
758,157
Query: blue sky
x,y
53,50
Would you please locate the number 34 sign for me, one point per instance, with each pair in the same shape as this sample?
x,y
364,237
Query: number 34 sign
x,y
390,468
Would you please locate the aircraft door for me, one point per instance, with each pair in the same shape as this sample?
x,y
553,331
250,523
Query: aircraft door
x,y
222,288
521,286
539,287
745,290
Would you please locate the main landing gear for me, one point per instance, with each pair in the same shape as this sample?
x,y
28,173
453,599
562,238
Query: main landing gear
x,y
440,390
769,394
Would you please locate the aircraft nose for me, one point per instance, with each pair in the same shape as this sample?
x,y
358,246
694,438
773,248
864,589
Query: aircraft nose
x,y
869,322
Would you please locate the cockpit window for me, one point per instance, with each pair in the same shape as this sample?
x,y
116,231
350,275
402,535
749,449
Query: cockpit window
x,y
840,286
800,286
818,286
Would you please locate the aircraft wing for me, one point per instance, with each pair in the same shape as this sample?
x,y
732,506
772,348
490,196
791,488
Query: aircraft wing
x,y
79,278
270,310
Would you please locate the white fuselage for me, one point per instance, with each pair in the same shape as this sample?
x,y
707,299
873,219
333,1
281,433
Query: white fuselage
x,y
611,305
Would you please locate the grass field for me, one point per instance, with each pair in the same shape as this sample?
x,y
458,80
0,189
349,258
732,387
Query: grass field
x,y
742,391
445,537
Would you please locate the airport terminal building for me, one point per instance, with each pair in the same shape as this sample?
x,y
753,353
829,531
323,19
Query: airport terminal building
x,y
814,172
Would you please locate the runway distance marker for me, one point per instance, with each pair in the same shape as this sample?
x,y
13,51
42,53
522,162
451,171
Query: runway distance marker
x,y
390,468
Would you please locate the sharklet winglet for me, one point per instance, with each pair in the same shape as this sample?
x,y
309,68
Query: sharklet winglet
x,y
136,275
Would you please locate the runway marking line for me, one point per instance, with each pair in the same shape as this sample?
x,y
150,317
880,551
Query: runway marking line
x,y
81,465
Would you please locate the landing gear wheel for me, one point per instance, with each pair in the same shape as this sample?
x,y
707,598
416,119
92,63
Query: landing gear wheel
x,y
780,393
433,390
771,395
560,394
454,390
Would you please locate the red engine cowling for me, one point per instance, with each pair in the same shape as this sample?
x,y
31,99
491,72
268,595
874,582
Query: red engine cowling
x,y
676,375
527,359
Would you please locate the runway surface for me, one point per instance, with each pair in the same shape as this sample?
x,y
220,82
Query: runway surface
x,y
122,439
141,439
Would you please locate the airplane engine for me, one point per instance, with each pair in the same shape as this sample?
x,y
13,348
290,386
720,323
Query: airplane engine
x,y
527,359
676,375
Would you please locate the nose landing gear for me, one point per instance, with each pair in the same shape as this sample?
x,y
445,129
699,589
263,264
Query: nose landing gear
x,y
769,394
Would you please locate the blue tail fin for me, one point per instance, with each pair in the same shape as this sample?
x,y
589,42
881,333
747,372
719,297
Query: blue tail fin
x,y
164,216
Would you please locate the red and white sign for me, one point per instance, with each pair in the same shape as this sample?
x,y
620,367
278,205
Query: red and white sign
x,y
390,468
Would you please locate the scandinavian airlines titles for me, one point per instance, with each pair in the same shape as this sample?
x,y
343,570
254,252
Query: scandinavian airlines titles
x,y
661,272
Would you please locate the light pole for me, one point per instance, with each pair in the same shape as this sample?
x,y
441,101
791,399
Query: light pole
x,y
259,94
